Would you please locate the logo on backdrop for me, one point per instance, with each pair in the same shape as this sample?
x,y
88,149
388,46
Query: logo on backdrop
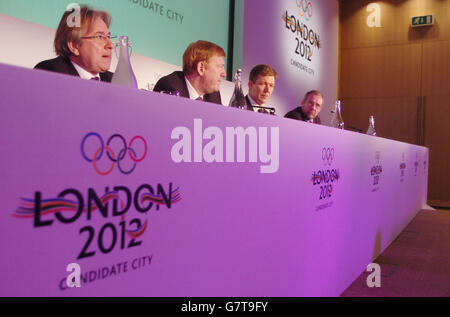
x,y
416,164
327,156
93,149
305,9
326,178
108,219
375,171
154,9
306,41
70,206
116,234
402,168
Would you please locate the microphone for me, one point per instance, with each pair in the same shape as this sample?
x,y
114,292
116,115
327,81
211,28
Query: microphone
x,y
270,110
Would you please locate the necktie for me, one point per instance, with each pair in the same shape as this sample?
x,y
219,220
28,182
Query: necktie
x,y
199,98
95,78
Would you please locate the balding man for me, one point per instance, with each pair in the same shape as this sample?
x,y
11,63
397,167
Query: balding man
x,y
84,51
310,108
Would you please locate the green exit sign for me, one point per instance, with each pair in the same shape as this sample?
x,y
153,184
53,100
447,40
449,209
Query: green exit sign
x,y
423,20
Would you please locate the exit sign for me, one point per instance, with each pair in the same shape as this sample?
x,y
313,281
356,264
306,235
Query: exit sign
x,y
423,20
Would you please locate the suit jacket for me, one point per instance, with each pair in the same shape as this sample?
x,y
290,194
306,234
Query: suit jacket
x,y
298,114
64,66
177,82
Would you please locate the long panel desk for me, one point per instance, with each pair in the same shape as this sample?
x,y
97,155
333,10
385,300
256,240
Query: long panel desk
x,y
155,195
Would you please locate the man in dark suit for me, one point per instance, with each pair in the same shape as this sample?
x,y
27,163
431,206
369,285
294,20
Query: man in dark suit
x,y
84,50
203,70
310,108
260,87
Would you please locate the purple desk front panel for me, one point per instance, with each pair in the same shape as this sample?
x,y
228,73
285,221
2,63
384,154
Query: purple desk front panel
x,y
153,196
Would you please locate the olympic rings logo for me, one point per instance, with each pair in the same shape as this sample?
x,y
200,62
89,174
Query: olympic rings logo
x,y
306,8
377,157
126,148
327,156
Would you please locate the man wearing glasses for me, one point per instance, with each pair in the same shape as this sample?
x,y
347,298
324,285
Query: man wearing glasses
x,y
84,51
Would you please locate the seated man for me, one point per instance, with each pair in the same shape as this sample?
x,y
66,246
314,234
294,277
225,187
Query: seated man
x,y
310,108
260,87
203,70
83,51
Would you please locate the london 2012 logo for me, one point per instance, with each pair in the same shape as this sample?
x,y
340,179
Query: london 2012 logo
x,y
402,168
116,150
325,178
376,170
416,164
298,22
109,218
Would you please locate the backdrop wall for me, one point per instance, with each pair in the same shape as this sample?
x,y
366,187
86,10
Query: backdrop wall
x,y
302,47
158,29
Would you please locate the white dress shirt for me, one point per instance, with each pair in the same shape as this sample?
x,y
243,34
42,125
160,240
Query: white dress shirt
x,y
193,94
255,104
84,73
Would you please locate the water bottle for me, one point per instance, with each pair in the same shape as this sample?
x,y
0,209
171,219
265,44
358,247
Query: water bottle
x,y
371,129
124,74
336,119
237,99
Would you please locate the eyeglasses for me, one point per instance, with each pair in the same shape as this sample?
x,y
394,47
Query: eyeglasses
x,y
101,37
